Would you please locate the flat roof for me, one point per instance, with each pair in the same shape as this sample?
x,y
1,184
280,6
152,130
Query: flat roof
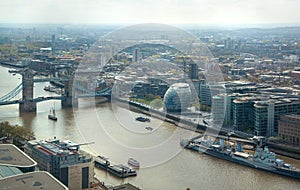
x,y
126,186
10,155
294,116
7,171
33,180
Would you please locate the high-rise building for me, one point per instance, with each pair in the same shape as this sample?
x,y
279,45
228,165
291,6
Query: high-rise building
x,y
53,42
222,110
193,71
218,110
136,55
242,115
229,43
63,159
207,91
205,94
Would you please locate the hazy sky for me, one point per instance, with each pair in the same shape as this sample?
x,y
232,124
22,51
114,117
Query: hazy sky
x,y
145,11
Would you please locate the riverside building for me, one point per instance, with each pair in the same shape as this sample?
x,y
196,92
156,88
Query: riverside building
x,y
63,159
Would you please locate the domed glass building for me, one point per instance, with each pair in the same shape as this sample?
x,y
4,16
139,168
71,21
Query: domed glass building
x,y
177,97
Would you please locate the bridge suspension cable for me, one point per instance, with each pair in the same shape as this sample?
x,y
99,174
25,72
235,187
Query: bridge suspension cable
x,y
12,93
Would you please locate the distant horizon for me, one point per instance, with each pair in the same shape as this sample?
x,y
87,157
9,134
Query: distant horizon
x,y
184,25
232,13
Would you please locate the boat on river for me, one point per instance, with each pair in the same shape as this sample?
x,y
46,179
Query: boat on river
x,y
134,162
142,119
52,114
119,170
262,158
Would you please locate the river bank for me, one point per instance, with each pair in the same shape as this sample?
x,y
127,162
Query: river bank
x,y
188,125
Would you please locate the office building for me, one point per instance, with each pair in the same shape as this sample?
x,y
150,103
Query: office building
x,y
260,113
289,129
222,111
155,87
204,93
63,159
242,114
267,114
193,71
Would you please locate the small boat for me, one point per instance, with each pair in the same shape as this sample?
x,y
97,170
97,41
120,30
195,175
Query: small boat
x,y
52,115
149,128
142,119
134,162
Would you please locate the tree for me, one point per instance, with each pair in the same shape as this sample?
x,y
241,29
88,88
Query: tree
x,y
16,133
156,103
149,97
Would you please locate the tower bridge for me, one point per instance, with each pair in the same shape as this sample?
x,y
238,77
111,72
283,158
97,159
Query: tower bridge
x,y
68,99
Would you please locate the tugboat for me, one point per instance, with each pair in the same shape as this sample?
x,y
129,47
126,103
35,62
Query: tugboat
x,y
262,158
142,119
52,115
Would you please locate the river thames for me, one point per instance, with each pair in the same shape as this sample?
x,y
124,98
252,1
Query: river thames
x,y
164,164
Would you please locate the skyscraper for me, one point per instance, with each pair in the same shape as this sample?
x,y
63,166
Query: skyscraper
x,y
136,55
193,72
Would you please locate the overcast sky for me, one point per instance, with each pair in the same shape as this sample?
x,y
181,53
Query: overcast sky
x,y
155,11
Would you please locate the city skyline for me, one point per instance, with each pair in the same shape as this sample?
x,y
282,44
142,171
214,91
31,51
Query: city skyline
x,y
202,12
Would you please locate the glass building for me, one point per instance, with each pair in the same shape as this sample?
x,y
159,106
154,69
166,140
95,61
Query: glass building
x,y
177,97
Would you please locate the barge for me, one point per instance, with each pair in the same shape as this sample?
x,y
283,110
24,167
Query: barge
x,y
118,170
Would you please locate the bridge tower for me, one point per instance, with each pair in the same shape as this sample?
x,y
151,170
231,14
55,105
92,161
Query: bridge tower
x,y
71,99
28,105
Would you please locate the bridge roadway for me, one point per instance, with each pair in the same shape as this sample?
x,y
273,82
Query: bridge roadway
x,y
39,99
50,79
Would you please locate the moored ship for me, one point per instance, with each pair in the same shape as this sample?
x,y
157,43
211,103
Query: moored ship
x,y
119,170
261,159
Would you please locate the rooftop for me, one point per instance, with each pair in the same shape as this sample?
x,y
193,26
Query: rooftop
x,y
6,171
10,155
56,147
126,186
292,116
32,180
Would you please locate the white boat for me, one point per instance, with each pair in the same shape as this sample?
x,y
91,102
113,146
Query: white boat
x,y
133,162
